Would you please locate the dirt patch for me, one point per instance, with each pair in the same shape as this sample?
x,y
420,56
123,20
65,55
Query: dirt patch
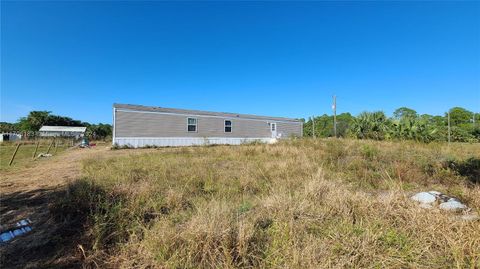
x,y
29,193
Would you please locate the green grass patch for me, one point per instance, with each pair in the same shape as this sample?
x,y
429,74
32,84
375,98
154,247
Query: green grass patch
x,y
24,155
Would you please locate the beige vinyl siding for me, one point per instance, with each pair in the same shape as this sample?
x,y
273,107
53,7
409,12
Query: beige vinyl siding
x,y
289,129
140,124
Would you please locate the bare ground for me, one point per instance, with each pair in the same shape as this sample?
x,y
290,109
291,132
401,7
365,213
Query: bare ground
x,y
29,193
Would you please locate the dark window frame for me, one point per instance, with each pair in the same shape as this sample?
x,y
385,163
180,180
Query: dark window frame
x,y
225,126
194,125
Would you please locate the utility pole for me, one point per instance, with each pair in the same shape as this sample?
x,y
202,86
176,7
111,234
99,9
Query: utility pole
x,y
334,107
313,126
448,120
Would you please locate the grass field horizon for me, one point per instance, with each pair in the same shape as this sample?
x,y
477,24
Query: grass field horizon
x,y
301,203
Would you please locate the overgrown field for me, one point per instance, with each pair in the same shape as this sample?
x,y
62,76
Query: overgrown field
x,y
297,204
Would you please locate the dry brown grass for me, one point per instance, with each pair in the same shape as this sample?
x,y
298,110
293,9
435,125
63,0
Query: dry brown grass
x,y
296,204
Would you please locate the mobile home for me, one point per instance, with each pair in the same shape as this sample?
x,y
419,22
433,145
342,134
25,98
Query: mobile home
x,y
140,126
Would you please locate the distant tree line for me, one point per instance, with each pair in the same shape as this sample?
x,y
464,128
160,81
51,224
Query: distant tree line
x,y
36,119
405,124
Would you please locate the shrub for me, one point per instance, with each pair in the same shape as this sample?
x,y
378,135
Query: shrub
x,y
305,203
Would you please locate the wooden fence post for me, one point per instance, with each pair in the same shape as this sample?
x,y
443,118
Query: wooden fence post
x,y
35,152
14,153
50,146
56,145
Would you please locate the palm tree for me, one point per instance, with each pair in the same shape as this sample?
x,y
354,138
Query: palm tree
x,y
371,125
417,129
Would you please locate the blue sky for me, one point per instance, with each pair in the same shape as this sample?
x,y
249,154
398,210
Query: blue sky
x,y
268,58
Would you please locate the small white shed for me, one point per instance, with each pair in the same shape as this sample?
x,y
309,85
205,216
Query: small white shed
x,y
63,131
